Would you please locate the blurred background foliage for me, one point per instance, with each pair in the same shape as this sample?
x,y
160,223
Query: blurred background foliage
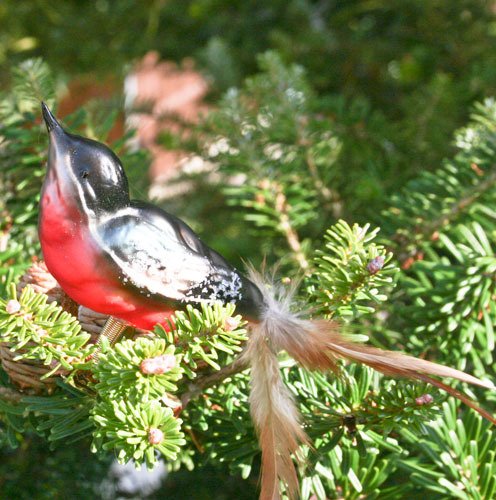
x,y
416,64
393,78
349,112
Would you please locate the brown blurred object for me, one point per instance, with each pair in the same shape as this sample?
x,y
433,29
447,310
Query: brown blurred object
x,y
159,96
86,87
169,94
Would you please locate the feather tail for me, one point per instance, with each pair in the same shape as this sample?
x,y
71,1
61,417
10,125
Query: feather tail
x,y
274,414
318,344
313,338
315,345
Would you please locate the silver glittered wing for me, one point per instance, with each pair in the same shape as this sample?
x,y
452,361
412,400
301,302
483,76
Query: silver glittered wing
x,y
158,254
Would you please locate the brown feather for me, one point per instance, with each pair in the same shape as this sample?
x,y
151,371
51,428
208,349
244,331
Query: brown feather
x,y
315,345
324,337
275,416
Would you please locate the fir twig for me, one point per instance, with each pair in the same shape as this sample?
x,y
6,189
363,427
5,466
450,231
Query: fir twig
x,y
293,240
460,205
429,230
204,382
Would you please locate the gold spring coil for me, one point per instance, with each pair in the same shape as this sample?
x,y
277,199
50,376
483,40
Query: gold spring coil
x,y
112,331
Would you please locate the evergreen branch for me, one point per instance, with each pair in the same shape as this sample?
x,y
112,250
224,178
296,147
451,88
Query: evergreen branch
x,y
206,335
65,415
452,293
455,456
137,430
329,197
33,83
429,230
351,272
292,238
460,188
205,381
43,332
461,204
139,370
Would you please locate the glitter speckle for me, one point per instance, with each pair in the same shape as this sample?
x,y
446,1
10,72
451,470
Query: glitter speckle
x,y
223,285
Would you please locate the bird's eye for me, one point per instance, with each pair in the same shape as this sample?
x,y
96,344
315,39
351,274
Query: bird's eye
x,y
84,174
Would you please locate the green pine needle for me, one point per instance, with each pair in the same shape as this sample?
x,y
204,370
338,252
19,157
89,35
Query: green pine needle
x,y
352,272
129,428
42,331
209,334
120,373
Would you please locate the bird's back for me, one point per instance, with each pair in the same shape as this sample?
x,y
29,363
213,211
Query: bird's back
x,y
157,257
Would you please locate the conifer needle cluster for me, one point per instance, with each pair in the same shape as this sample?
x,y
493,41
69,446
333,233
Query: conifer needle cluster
x,y
424,284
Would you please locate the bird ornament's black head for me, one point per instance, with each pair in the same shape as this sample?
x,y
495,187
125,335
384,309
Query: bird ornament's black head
x,y
84,171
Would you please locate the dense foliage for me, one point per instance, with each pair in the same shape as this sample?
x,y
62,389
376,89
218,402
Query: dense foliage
x,y
310,160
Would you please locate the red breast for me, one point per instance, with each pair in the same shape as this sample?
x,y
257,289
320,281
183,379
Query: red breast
x,y
73,257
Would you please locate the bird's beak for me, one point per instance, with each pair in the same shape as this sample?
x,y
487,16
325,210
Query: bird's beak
x,y
50,121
